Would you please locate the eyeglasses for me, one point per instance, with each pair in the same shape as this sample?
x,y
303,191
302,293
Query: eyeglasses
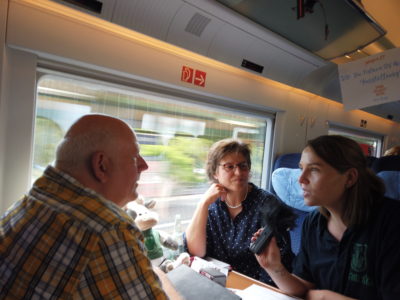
x,y
228,167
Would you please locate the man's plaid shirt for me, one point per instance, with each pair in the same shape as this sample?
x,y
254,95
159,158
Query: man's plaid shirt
x,y
65,241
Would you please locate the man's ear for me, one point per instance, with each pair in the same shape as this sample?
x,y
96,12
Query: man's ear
x,y
352,177
100,165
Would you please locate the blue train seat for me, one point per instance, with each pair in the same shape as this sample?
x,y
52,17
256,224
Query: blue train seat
x,y
388,168
286,186
386,163
370,160
290,160
392,183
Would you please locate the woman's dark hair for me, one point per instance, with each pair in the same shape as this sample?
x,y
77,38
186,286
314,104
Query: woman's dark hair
x,y
362,197
222,148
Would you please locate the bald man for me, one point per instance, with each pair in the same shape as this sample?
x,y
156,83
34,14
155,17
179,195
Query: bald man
x,y
69,237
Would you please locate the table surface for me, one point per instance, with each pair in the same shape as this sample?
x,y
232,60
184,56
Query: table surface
x,y
239,281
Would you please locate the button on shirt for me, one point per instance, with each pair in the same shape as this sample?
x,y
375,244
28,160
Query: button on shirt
x,y
65,241
228,239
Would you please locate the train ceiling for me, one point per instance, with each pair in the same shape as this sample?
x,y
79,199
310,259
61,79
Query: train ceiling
x,y
300,43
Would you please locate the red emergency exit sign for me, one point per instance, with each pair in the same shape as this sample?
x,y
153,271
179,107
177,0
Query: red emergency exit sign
x,y
190,75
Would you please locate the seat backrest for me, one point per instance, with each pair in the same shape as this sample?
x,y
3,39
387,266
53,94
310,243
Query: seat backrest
x,y
386,163
370,160
290,160
388,168
392,183
287,188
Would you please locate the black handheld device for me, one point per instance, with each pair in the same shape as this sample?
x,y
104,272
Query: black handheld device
x,y
262,241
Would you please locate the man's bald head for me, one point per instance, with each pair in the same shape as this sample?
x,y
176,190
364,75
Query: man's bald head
x,y
88,134
96,150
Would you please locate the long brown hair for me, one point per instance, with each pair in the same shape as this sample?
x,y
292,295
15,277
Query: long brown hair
x,y
343,154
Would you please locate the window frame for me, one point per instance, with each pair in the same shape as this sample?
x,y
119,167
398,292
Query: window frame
x,y
357,132
174,94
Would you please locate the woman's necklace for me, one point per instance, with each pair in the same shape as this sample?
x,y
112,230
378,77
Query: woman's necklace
x,y
240,204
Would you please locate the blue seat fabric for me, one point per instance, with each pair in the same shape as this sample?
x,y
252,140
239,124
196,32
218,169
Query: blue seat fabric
x,y
285,186
392,183
388,169
290,160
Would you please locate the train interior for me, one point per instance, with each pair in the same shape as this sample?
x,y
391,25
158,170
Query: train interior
x,y
184,74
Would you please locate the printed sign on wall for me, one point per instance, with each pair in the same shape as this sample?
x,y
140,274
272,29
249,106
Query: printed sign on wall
x,y
187,74
371,80
191,75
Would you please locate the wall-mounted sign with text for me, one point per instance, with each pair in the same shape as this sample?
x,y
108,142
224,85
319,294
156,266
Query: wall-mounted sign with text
x,y
191,75
371,80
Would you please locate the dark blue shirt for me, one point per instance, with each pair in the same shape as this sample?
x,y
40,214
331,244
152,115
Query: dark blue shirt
x,y
365,264
228,239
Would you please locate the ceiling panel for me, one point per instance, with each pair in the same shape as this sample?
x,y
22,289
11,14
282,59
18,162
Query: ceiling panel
x,y
329,28
151,17
215,30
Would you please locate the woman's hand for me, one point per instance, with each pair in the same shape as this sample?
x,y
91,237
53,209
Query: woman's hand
x,y
270,258
215,191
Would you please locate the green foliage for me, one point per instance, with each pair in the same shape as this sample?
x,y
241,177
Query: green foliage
x,y
185,154
47,136
152,150
257,152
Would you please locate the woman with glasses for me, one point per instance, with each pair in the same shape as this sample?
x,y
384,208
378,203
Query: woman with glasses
x,y
230,212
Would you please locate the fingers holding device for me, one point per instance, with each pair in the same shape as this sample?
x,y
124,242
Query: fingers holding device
x,y
262,241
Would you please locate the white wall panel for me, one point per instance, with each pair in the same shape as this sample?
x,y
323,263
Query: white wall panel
x,y
17,119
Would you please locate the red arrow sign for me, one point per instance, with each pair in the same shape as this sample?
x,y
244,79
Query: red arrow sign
x,y
200,78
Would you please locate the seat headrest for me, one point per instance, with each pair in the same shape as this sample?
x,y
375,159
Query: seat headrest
x,y
386,163
286,185
290,160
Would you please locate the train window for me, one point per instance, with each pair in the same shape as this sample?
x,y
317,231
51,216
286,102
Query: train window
x,y
370,143
174,136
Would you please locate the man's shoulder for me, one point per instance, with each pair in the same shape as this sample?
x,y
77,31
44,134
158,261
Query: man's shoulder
x,y
94,213
62,195
86,213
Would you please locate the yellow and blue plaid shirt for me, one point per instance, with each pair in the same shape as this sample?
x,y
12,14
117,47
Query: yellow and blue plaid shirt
x,y
64,241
